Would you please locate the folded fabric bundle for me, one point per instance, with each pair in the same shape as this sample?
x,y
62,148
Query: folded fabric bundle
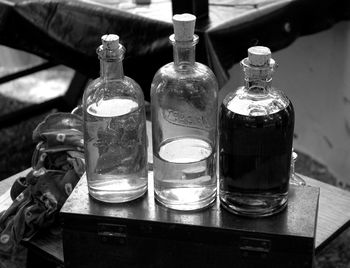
x,y
57,165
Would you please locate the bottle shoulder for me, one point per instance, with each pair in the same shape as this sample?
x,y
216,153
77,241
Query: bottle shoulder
x,y
198,72
116,84
241,101
101,88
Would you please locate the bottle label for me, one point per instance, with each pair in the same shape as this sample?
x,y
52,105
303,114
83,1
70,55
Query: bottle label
x,y
187,120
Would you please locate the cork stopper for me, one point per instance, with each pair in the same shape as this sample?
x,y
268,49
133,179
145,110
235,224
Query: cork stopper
x,y
110,41
259,56
184,26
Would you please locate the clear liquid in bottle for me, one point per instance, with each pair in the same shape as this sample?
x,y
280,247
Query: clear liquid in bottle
x,y
184,125
183,178
115,140
114,130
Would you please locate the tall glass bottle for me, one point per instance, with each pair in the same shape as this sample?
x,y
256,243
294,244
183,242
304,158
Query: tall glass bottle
x,y
256,136
114,130
184,125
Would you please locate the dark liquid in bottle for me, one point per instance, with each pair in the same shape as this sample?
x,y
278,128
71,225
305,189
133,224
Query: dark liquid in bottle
x,y
255,155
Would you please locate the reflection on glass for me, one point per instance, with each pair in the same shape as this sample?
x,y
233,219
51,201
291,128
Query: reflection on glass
x,y
294,178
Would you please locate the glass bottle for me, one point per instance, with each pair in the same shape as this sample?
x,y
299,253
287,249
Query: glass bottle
x,y
255,141
184,125
114,129
295,179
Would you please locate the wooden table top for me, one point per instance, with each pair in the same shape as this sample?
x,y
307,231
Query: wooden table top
x,y
333,217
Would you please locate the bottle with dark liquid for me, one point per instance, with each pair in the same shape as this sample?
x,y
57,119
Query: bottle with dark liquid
x,y
255,141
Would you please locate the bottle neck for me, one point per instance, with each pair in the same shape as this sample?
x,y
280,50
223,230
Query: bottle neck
x,y
111,63
258,80
184,52
111,69
258,86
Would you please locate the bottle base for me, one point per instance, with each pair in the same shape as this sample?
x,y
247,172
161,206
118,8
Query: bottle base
x,y
180,203
117,196
254,206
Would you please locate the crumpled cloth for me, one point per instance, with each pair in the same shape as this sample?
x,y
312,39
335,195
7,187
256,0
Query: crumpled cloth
x,y
57,165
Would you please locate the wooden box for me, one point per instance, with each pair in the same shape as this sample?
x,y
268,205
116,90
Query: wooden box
x,y
143,233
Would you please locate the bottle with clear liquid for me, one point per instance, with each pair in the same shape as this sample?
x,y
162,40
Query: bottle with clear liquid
x,y
255,141
114,130
184,125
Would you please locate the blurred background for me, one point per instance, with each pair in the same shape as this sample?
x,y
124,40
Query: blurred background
x,y
313,72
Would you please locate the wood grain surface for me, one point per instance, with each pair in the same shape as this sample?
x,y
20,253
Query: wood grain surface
x,y
333,217
333,214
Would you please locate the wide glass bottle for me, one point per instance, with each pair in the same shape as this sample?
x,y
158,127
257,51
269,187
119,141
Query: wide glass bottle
x,y
184,125
255,137
114,129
